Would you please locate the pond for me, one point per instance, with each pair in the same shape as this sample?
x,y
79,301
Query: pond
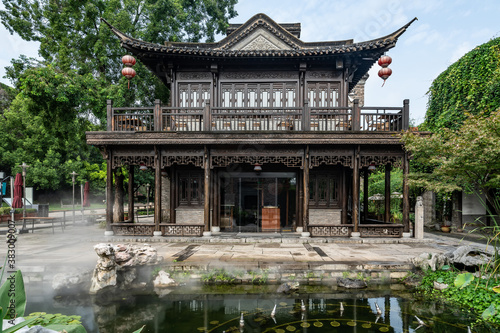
x,y
248,309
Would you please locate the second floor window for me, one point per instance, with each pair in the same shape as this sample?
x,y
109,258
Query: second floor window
x,y
323,94
193,95
259,95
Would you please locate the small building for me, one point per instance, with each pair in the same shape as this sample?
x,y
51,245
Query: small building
x,y
263,133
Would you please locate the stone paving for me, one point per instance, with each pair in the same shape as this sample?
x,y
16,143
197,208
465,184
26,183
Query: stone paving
x,y
43,253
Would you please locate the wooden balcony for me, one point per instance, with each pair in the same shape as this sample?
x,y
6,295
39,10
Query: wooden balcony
x,y
221,119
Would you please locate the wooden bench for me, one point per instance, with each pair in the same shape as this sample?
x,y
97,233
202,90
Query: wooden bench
x,y
41,219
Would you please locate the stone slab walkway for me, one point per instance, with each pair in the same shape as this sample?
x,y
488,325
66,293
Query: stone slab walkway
x,y
42,254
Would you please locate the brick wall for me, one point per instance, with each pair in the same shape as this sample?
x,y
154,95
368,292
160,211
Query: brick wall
x,y
325,216
165,199
189,215
358,92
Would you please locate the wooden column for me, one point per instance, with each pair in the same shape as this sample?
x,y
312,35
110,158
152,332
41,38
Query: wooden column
x,y
109,193
173,192
157,189
109,114
356,116
366,174
355,191
215,200
131,193
206,165
305,212
299,201
387,192
406,194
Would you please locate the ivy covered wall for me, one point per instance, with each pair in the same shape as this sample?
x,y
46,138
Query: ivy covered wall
x,y
470,85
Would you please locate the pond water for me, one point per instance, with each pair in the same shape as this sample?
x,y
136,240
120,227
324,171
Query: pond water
x,y
248,309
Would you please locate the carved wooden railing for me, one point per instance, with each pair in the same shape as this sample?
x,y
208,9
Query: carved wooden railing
x,y
219,119
167,229
328,230
133,229
366,230
381,230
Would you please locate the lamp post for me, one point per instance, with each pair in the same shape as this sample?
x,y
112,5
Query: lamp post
x,y
73,179
24,166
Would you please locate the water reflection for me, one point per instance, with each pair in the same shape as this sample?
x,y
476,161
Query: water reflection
x,y
259,311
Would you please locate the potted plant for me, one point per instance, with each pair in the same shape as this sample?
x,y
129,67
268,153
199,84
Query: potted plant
x,y
446,226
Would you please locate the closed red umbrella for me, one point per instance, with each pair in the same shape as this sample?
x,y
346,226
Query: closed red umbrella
x,y
17,202
86,191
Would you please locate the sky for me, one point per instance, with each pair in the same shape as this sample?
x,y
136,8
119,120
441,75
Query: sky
x,y
444,32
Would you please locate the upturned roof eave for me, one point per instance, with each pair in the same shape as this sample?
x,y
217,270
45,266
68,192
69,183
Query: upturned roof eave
x,y
318,49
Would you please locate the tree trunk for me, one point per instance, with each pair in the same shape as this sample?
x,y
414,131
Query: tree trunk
x,y
118,212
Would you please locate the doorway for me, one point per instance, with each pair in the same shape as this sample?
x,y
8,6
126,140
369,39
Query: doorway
x,y
258,202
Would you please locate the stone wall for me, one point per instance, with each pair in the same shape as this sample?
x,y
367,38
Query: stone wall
x,y
325,216
189,215
429,201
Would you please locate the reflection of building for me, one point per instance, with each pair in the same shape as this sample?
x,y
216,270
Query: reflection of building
x,y
259,99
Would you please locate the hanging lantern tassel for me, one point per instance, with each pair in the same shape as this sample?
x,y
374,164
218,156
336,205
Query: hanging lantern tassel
x,y
384,74
129,73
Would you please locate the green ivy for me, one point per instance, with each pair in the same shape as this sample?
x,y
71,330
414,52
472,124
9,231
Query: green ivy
x,y
472,84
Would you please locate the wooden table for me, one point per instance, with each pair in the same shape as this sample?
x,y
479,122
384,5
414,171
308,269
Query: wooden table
x,y
33,218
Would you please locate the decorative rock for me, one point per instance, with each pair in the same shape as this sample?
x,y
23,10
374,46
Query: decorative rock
x,y
440,286
469,256
431,261
288,287
351,283
71,282
164,280
120,260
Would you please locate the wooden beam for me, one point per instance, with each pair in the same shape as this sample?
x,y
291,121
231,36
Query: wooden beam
x,y
366,174
157,217
355,191
207,190
305,212
109,193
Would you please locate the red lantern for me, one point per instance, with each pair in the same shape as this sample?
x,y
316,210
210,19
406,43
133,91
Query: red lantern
x,y
384,61
128,60
129,73
384,73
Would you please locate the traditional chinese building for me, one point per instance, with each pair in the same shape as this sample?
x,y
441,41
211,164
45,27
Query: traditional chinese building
x,y
264,132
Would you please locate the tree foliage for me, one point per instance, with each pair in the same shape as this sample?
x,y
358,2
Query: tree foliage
x,y
470,85
63,94
466,159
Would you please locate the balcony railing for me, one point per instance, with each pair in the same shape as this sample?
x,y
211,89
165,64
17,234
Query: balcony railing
x,y
222,119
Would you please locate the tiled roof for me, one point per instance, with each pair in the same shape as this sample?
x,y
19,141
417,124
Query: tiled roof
x,y
222,48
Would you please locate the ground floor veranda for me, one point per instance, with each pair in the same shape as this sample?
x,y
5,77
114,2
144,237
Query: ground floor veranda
x,y
312,190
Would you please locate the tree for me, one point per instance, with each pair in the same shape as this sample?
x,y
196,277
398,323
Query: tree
x,y
470,85
63,95
72,37
466,159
